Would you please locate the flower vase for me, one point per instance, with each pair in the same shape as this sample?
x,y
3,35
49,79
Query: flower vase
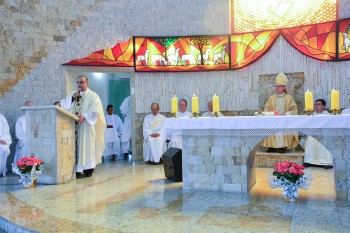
x,y
290,192
29,181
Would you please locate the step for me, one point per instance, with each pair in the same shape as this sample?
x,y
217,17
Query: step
x,y
264,159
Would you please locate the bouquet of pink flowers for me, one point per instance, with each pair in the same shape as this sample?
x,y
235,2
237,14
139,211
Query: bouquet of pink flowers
x,y
289,170
26,164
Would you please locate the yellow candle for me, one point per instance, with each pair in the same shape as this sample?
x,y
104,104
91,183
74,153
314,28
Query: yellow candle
x,y
309,102
334,100
195,104
174,104
216,103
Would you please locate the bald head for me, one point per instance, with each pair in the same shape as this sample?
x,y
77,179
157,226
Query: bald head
x,y
210,106
29,103
155,108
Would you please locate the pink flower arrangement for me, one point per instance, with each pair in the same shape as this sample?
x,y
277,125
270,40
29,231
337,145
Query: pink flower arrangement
x,y
289,170
26,164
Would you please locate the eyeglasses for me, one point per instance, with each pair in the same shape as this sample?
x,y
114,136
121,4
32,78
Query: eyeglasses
x,y
318,104
279,86
80,82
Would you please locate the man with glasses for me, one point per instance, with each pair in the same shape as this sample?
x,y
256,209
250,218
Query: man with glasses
x,y
89,129
281,103
315,152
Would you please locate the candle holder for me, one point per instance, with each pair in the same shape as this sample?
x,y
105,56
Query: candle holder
x,y
174,115
308,112
195,114
335,111
216,114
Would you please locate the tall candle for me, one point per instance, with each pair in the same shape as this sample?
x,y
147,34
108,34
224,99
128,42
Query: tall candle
x,y
216,103
195,104
309,102
174,104
334,100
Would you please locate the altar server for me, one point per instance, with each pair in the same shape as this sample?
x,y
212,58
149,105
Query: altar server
x,y
113,134
284,104
154,140
5,142
20,129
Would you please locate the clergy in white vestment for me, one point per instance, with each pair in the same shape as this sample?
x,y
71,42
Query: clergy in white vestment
x,y
125,139
5,142
112,134
154,140
175,140
210,112
345,111
89,129
315,152
20,131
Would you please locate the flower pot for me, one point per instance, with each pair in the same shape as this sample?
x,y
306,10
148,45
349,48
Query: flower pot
x,y
29,181
290,192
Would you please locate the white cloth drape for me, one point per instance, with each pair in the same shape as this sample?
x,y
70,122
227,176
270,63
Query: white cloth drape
x,y
125,138
20,129
4,149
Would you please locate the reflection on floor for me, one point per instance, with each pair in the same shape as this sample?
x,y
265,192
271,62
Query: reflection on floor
x,y
126,197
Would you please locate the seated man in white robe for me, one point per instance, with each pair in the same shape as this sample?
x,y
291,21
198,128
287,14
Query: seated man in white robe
x,y
210,112
176,138
112,134
126,136
20,129
315,152
345,111
154,141
5,142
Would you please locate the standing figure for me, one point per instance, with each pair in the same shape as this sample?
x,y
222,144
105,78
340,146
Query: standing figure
x,y
283,104
5,142
20,129
153,146
112,134
89,129
125,139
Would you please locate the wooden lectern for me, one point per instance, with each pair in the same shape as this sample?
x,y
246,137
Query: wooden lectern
x,y
50,136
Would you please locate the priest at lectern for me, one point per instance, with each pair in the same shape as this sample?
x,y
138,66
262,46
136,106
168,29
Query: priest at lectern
x,y
89,129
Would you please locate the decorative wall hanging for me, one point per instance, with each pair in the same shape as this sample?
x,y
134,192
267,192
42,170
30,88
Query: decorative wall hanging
x,y
317,41
191,53
121,55
324,41
343,40
248,47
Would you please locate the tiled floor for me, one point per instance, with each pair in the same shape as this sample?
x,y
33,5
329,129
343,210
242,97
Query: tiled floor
x,y
126,197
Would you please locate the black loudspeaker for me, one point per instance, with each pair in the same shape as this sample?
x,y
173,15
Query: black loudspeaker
x,y
172,162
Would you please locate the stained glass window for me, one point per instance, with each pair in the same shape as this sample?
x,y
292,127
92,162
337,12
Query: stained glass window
x,y
253,15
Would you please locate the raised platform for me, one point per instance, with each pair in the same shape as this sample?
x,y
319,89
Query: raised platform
x,y
264,159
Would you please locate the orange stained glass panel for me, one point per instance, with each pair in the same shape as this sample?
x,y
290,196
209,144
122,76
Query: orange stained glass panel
x,y
248,47
343,40
317,41
121,55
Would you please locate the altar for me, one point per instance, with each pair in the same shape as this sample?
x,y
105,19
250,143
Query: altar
x,y
218,153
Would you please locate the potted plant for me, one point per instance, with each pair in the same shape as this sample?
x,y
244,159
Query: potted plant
x,y
28,168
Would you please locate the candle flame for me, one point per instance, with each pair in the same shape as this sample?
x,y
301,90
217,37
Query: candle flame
x,y
307,91
194,94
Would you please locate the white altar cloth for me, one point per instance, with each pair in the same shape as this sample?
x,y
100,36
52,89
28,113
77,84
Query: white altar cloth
x,y
321,125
